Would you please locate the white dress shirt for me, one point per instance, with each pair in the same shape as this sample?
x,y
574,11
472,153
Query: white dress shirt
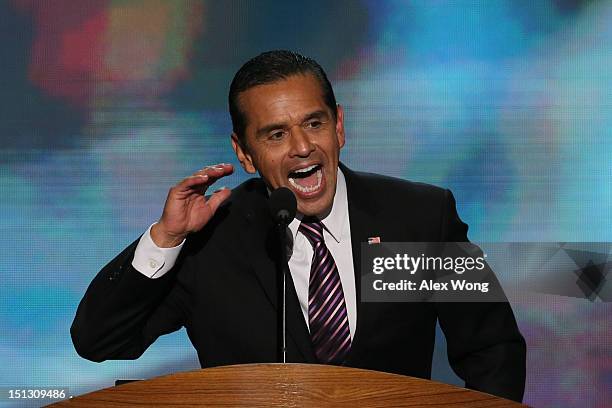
x,y
154,262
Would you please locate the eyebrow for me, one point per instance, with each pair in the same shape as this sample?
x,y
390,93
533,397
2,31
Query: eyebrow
x,y
320,114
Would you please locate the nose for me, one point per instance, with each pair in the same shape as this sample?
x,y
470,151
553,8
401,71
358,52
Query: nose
x,y
301,145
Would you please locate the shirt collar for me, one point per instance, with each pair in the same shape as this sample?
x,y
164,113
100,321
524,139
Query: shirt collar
x,y
335,220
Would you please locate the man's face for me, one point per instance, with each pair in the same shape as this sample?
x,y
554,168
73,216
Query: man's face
x,y
293,140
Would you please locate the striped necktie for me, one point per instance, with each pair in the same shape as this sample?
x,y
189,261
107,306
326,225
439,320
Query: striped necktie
x,y
327,315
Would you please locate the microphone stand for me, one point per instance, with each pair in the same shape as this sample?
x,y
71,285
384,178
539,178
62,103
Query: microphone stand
x,y
282,224
283,206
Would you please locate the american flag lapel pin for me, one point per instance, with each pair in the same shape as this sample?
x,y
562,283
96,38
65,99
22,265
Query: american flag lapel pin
x,y
374,240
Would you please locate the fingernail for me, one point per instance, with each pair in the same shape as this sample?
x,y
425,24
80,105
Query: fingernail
x,y
219,189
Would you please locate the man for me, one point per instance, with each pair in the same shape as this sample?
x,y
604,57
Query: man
x,y
209,264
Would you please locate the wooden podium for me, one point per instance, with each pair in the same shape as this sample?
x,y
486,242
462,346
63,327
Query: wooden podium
x,y
286,385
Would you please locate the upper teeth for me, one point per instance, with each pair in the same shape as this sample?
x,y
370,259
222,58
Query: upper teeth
x,y
305,169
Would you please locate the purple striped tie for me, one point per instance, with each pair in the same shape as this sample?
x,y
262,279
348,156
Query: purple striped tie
x,y
328,319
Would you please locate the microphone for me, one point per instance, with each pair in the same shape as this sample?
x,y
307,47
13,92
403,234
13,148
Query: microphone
x,y
283,207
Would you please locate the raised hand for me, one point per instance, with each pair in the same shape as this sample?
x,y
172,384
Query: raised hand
x,y
186,209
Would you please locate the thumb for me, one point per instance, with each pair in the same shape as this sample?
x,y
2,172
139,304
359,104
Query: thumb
x,y
217,198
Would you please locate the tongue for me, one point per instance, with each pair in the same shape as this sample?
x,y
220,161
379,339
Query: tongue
x,y
309,181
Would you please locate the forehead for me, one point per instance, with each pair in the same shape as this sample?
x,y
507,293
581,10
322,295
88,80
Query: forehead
x,y
282,101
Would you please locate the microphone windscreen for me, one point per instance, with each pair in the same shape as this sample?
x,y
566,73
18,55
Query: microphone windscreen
x,y
283,205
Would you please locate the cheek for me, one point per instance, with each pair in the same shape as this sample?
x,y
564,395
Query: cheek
x,y
272,162
270,166
276,168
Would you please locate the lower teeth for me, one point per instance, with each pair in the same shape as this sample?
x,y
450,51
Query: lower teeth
x,y
307,189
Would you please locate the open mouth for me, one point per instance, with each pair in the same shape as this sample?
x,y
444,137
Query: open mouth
x,y
308,179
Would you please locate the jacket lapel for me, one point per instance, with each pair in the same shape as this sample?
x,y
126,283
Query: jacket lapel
x,y
363,211
260,239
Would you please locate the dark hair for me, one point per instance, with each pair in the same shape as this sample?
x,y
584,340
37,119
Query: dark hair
x,y
270,67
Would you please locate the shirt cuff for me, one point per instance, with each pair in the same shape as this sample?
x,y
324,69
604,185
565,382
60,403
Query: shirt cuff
x,y
151,260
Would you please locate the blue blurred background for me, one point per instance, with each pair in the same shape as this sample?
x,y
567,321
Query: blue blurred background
x,y
105,104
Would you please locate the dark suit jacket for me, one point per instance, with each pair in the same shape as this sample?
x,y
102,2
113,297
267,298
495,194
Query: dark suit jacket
x,y
223,289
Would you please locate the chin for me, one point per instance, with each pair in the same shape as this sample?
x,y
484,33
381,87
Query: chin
x,y
319,209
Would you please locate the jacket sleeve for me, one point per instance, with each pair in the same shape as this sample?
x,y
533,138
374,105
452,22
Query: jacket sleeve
x,y
123,311
485,347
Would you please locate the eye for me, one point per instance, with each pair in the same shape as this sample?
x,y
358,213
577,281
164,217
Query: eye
x,y
314,124
277,135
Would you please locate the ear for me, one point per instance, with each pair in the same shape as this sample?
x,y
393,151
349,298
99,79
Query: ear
x,y
245,159
340,126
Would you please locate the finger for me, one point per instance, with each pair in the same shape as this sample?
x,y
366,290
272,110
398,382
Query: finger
x,y
217,198
202,179
216,171
194,182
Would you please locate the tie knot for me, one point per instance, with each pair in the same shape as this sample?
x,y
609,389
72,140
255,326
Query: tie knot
x,y
312,229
